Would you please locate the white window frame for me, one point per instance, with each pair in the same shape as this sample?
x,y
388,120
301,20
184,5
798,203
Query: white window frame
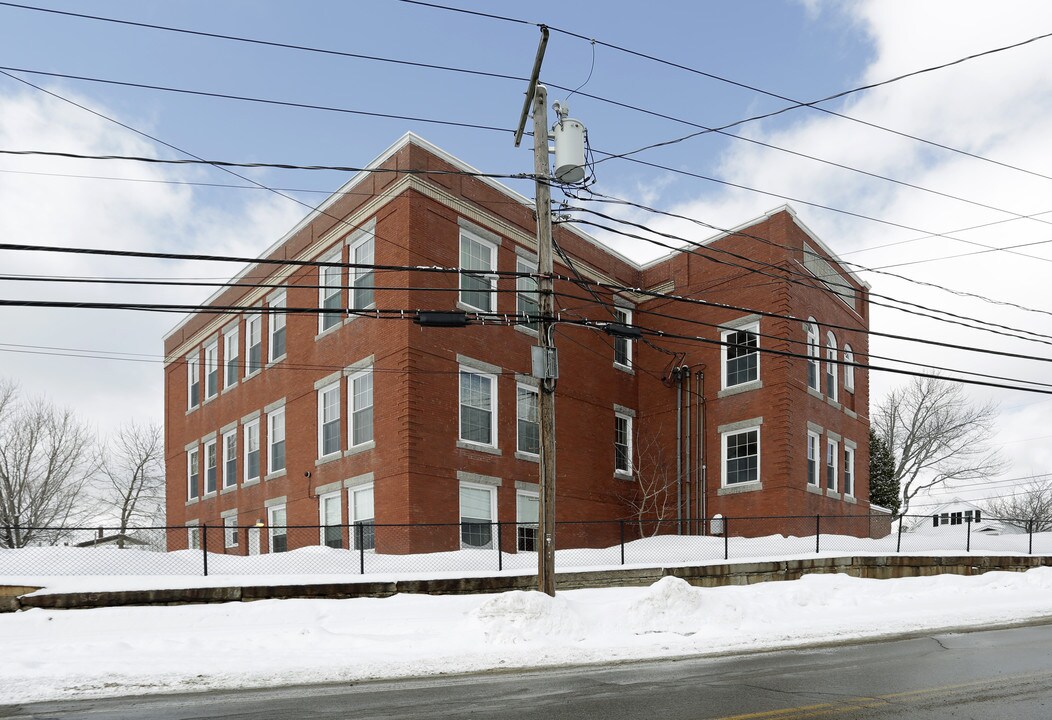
x,y
484,274
849,369
752,328
849,471
831,381
330,282
278,322
492,514
325,502
253,339
231,341
814,356
724,443
814,459
215,468
322,393
273,418
362,251
271,512
251,430
832,465
193,536
527,297
355,411
352,511
492,380
211,366
230,531
529,390
229,479
626,419
193,379
193,469
622,345
521,524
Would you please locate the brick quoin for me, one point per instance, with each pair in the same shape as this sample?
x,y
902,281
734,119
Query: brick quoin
x,y
415,464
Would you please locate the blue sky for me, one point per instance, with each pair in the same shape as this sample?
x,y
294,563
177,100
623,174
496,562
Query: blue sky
x,y
995,107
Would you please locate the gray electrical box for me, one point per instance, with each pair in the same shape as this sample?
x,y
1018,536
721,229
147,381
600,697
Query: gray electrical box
x,y
545,363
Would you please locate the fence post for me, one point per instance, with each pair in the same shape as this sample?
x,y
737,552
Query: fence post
x,y
968,542
622,542
500,557
818,533
359,537
1030,530
204,547
898,543
726,538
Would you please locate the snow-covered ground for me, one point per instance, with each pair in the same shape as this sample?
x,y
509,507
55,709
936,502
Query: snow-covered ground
x,y
135,650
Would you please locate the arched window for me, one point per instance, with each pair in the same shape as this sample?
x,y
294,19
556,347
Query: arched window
x,y
831,362
849,370
814,355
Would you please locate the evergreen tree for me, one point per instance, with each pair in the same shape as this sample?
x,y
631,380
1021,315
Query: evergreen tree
x,y
883,487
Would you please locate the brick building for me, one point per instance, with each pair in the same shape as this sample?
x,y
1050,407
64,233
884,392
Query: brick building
x,y
290,411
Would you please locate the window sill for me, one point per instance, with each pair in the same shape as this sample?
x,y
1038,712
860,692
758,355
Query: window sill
x,y
228,388
851,413
624,368
833,402
461,305
465,445
744,387
850,499
249,483
193,409
252,374
276,474
526,330
624,476
331,457
208,495
191,501
354,316
276,360
228,547
832,494
209,399
360,448
528,457
815,393
328,331
226,490
814,489
745,487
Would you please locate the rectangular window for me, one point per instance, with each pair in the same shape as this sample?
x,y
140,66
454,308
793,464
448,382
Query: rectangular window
x,y
478,259
230,531
252,451
529,425
814,444
476,515
253,343
193,537
527,507
622,345
361,391
193,382
526,298
363,278
478,407
331,516
212,370
277,327
277,529
210,467
276,441
849,471
329,281
832,463
230,459
741,358
193,475
230,350
363,518
622,444
329,420
741,457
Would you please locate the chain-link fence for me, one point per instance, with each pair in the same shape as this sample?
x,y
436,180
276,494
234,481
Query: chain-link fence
x,y
454,549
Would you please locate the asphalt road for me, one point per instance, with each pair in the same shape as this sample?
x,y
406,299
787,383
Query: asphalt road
x,y
988,675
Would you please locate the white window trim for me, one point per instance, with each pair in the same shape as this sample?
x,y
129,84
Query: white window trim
x,y
368,371
230,357
278,300
227,534
212,349
336,495
193,457
724,436
271,416
271,510
250,320
748,327
205,492
814,442
193,535
831,367
259,452
227,483
518,438
814,353
367,237
493,406
526,265
193,372
487,275
333,257
849,452
534,496
492,490
321,418
834,446
623,472
623,316
353,516
849,369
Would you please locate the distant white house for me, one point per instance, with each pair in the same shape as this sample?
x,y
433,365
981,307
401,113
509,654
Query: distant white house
x,y
957,512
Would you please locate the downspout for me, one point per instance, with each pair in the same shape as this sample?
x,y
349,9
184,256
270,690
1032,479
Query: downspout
x,y
687,474
679,448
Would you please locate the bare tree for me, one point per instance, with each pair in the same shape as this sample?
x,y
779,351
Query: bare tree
x,y
652,497
937,436
131,475
1030,504
45,466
